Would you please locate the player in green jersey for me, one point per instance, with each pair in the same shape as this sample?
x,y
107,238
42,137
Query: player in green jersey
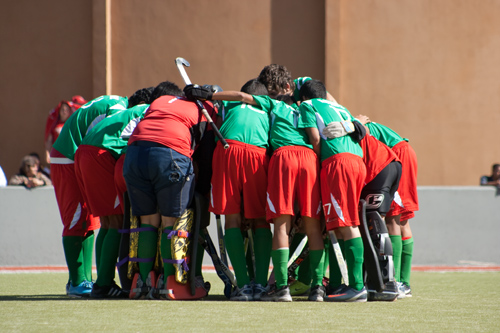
x,y
78,235
342,178
239,182
405,201
292,152
95,160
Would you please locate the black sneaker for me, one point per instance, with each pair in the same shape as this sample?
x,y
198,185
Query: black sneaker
x,y
277,295
244,293
335,290
316,294
112,291
349,294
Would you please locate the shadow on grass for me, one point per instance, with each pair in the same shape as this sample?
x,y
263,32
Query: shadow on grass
x,y
39,298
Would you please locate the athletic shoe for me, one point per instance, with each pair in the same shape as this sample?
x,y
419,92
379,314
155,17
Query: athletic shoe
x,y
349,294
277,295
160,292
401,290
244,293
258,291
141,289
331,291
317,294
298,288
407,289
112,291
67,287
84,289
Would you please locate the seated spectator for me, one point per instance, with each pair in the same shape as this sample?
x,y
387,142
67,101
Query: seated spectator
x,y
494,179
43,168
56,119
29,174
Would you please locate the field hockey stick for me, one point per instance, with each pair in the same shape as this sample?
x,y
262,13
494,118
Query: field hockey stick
x,y
181,62
252,248
295,260
222,270
222,244
339,256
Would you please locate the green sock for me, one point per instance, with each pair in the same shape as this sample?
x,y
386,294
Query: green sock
x,y
199,261
146,249
236,252
406,256
280,260
397,248
304,271
316,258
296,239
109,254
74,258
354,258
335,274
98,246
166,253
88,252
263,241
326,259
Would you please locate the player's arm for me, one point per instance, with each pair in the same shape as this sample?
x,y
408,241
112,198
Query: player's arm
x,y
193,92
314,139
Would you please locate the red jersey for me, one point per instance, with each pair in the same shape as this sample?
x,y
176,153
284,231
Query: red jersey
x,y
174,122
54,125
376,156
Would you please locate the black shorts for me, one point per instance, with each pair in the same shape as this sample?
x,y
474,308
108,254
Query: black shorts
x,y
379,193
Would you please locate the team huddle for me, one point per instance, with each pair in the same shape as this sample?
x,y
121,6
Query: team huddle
x,y
296,159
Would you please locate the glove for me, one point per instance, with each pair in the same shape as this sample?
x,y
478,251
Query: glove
x,y
196,92
337,129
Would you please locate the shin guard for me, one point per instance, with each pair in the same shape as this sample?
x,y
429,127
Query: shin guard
x,y
181,243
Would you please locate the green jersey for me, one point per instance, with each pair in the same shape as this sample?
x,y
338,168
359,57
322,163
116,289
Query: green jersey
x,y
317,113
112,132
298,84
84,119
285,122
245,123
385,134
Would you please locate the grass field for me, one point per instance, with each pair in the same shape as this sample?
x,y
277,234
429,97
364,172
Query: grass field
x,y
452,302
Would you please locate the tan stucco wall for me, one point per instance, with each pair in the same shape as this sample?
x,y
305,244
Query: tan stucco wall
x,y
428,69
45,57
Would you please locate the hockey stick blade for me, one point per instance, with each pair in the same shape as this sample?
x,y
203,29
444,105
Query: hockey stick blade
x,y
222,244
339,256
181,63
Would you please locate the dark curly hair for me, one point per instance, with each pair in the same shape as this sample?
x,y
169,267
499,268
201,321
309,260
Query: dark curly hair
x,y
276,77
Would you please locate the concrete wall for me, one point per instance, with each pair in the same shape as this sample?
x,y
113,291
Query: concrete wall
x,y
455,226
428,69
